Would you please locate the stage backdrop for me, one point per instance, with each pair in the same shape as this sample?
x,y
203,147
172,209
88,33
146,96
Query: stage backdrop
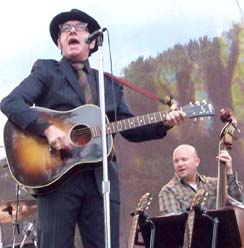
x,y
209,69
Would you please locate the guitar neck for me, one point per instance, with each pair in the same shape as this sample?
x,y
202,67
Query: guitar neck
x,y
132,237
130,123
191,111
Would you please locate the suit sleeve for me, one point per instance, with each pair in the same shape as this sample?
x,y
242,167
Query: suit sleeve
x,y
16,106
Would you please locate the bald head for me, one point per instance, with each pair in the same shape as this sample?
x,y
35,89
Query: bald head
x,y
186,161
186,148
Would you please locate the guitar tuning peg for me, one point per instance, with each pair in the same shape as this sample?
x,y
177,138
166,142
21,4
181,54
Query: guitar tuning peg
x,y
195,120
204,101
197,103
201,118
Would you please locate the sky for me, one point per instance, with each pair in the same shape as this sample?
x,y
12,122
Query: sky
x,y
136,28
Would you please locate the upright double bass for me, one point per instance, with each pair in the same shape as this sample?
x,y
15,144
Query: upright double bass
x,y
225,143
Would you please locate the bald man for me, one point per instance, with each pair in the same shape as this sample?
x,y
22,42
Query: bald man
x,y
176,196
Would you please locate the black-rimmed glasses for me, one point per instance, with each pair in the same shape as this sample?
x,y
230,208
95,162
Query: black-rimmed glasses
x,y
66,27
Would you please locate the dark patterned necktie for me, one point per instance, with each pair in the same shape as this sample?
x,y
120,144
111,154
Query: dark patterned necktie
x,y
83,79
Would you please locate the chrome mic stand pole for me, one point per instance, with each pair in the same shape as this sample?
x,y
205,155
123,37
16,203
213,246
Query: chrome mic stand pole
x,y
1,236
105,183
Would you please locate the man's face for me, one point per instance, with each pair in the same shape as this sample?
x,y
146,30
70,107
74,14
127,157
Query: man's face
x,y
71,41
186,161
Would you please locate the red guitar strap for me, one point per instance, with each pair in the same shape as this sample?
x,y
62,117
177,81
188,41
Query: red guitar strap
x,y
145,92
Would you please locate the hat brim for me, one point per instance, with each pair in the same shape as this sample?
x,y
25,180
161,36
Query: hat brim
x,y
74,14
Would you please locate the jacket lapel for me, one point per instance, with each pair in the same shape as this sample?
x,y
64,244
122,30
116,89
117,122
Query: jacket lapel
x,y
69,74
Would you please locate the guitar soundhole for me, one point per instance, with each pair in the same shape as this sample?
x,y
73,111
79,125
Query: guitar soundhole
x,y
80,135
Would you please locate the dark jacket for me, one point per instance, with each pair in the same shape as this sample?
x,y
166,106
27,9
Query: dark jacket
x,y
54,85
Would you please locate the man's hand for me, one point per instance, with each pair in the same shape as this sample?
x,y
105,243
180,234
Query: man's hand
x,y
57,138
174,117
224,156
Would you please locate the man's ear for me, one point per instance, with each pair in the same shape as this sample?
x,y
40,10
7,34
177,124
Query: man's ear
x,y
197,161
92,45
59,44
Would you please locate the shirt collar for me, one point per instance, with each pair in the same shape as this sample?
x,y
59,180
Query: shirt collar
x,y
86,64
199,178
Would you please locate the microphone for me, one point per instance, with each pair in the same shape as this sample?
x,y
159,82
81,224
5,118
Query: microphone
x,y
91,37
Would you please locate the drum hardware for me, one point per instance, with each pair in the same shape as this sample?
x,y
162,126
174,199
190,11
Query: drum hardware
x,y
8,210
29,228
13,211
3,163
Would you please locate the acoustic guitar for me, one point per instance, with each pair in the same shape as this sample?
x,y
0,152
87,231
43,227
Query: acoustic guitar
x,y
34,164
198,199
141,206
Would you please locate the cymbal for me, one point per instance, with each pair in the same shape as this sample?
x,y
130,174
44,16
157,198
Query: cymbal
x,y
3,163
8,210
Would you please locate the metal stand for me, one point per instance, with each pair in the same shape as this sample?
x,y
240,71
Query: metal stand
x,y
28,231
15,220
215,222
153,228
105,183
1,237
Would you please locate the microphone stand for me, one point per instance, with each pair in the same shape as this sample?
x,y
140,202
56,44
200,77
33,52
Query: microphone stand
x,y
105,183
153,228
1,236
215,222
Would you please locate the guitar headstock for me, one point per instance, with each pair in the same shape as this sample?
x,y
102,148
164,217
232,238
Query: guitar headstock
x,y
143,203
199,198
198,109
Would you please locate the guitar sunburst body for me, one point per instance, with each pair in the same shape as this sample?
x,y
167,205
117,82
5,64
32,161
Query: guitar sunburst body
x,y
33,163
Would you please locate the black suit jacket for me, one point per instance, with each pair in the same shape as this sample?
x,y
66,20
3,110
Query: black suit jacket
x,y
54,85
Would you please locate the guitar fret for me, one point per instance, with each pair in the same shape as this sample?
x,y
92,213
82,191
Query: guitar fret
x,y
124,122
113,128
138,121
132,122
129,122
142,120
148,118
119,126
162,115
155,117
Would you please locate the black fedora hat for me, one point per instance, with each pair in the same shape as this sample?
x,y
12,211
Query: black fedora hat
x,y
74,14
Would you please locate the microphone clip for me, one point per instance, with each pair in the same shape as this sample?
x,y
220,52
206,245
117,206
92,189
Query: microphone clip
x,y
91,37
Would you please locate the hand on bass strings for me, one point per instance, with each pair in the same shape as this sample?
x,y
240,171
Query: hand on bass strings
x,y
224,156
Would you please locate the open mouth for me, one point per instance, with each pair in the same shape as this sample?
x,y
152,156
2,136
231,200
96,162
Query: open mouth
x,y
182,170
74,41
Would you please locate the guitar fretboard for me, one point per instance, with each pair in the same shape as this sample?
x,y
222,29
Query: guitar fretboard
x,y
130,123
191,110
